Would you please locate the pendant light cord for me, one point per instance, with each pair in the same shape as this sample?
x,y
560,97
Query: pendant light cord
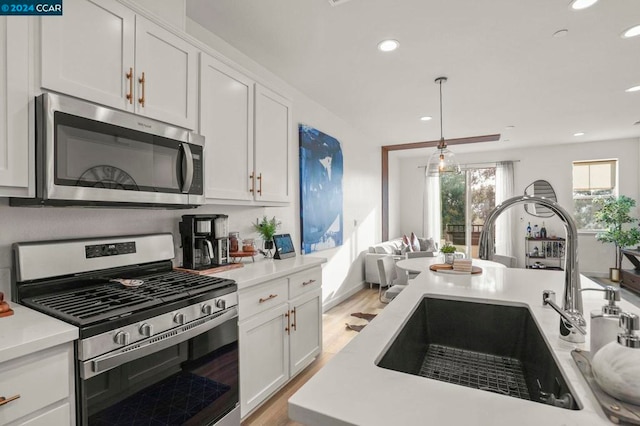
x,y
441,135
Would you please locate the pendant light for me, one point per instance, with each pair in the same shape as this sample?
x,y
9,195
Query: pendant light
x,y
442,160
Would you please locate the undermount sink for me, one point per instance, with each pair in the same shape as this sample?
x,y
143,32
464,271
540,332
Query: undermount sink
x,y
491,347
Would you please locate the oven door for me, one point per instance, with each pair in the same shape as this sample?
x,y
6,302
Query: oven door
x,y
91,154
193,382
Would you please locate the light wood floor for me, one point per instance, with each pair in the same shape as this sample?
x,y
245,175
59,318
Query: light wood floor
x,y
335,337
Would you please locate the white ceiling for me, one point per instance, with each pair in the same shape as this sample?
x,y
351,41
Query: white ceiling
x,y
504,66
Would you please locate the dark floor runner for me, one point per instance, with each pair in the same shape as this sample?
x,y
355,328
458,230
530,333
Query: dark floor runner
x,y
172,401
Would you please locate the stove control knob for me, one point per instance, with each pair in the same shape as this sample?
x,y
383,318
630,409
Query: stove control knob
x,y
121,338
146,329
179,318
207,309
221,303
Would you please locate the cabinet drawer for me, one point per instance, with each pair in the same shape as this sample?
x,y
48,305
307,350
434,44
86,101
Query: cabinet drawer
x,y
40,379
304,281
262,297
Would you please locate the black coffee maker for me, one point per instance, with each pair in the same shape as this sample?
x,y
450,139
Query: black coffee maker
x,y
200,248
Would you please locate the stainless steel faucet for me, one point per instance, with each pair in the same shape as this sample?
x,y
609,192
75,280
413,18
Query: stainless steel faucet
x,y
572,299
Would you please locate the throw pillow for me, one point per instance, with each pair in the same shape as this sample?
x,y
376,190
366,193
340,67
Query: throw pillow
x,y
415,244
427,244
406,242
405,248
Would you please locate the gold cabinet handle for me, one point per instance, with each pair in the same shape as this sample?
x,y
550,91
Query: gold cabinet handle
x,y
287,327
308,282
260,186
4,400
252,176
142,81
293,322
264,299
129,76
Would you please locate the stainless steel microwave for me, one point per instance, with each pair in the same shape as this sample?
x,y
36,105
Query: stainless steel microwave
x,y
90,155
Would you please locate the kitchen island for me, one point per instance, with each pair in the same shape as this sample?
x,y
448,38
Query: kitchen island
x,y
352,389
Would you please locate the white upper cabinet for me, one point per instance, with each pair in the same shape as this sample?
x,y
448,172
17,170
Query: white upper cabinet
x,y
247,130
166,75
272,140
226,122
103,52
14,106
89,52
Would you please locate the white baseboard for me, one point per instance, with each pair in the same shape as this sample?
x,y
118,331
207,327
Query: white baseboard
x,y
334,302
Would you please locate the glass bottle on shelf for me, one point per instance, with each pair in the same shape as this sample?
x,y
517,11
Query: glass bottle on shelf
x,y
529,230
543,231
536,233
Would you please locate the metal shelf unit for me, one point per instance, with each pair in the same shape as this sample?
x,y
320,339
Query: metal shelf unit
x,y
544,253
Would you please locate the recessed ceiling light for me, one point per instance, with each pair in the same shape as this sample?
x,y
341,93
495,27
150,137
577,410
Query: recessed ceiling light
x,y
560,33
582,4
633,89
578,134
425,118
388,45
631,32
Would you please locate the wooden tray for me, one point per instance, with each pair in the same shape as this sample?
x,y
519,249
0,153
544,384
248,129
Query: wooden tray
x,y
444,267
213,270
243,253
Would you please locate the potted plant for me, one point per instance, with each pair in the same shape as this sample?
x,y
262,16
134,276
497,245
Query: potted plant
x,y
448,250
267,229
614,214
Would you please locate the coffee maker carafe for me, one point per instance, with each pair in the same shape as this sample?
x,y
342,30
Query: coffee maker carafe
x,y
197,237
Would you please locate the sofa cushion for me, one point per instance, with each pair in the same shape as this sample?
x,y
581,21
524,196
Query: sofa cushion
x,y
427,244
415,244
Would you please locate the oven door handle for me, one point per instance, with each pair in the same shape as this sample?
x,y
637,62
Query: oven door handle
x,y
153,344
187,168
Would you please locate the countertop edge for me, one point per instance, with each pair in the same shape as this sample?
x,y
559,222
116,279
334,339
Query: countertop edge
x,y
27,331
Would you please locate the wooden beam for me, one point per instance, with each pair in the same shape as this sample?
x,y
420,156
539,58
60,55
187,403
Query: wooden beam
x,y
415,145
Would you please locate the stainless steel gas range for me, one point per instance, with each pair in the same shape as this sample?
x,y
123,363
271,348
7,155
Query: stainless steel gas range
x,y
156,346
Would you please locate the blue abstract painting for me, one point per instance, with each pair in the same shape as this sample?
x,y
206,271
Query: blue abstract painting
x,y
320,190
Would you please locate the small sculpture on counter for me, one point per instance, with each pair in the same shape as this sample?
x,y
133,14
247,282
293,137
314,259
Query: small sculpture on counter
x,y
5,309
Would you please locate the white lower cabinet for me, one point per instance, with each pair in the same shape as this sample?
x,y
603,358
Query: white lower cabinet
x,y
40,388
278,336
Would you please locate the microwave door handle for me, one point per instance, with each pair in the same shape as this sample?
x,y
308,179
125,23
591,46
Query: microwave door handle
x,y
187,168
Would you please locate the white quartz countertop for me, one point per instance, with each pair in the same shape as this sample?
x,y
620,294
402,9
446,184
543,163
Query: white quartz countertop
x,y
352,389
262,270
28,331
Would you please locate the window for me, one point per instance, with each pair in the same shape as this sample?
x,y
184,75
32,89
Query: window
x,y
591,180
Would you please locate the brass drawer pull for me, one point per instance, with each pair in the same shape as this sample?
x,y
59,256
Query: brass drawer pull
x,y
308,282
260,186
252,176
293,323
129,76
264,299
4,400
287,329
142,81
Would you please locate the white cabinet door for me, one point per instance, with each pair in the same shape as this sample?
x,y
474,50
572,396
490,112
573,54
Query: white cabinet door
x,y
88,52
272,139
14,106
264,356
226,122
306,330
169,90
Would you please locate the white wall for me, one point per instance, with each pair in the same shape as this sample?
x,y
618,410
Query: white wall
x,y
551,163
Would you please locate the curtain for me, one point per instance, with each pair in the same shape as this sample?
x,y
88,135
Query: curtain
x,y
431,217
504,222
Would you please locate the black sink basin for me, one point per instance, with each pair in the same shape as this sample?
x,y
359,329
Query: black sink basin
x,y
491,347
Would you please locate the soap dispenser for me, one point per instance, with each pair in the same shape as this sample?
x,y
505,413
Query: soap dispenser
x,y
604,322
616,367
